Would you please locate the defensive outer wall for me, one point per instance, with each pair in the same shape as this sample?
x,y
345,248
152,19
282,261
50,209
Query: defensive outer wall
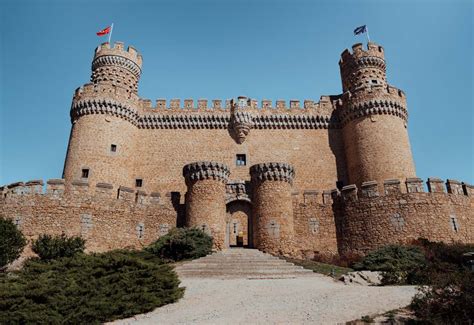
x,y
312,177
299,224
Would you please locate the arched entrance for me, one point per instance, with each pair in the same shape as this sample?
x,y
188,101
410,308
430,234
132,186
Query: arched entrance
x,y
239,230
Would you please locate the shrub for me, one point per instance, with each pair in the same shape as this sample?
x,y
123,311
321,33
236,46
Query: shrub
x,y
12,242
182,243
450,300
52,247
87,289
396,263
441,259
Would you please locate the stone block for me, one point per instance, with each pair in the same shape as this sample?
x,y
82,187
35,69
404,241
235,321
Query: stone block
x,y
126,194
349,192
310,197
392,186
55,187
104,190
435,185
369,189
414,185
155,198
34,187
327,198
142,197
454,187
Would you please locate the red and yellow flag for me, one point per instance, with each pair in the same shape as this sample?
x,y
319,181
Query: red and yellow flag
x,y
104,31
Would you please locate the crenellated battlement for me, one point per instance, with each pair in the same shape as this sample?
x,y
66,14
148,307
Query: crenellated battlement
x,y
83,191
374,214
378,101
411,186
373,50
100,90
118,49
325,106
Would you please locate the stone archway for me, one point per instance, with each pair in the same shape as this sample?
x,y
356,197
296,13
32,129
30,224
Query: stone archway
x,y
239,223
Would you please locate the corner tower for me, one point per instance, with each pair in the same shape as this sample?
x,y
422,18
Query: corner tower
x,y
374,117
104,116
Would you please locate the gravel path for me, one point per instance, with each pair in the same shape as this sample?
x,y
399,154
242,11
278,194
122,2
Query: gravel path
x,y
306,300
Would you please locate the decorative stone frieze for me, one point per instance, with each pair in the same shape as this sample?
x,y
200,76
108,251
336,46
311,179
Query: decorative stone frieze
x,y
273,171
205,170
119,61
373,107
182,121
367,62
103,106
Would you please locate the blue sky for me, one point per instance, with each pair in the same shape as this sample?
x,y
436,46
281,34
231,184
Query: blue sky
x,y
220,49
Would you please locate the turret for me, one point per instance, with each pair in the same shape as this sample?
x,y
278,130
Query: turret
x,y
272,207
363,68
117,67
374,119
104,117
205,199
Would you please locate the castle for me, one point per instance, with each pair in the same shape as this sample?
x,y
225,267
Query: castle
x,y
329,177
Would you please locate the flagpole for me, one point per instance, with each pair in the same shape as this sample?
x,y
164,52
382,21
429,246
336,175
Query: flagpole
x,y
111,30
368,37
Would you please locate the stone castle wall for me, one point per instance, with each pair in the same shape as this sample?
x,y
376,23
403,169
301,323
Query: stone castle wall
x,y
154,143
370,219
285,221
107,217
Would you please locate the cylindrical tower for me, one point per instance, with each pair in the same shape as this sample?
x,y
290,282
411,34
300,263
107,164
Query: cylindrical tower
x,y
272,207
104,119
205,199
374,119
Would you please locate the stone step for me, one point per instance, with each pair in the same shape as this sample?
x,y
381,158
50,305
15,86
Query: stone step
x,y
241,263
241,272
240,257
246,268
236,263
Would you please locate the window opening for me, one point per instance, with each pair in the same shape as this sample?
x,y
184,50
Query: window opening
x,y
241,160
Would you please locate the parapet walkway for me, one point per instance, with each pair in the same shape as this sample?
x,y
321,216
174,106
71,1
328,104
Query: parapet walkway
x,y
241,263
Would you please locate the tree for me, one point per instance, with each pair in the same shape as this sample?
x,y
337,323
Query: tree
x,y
12,242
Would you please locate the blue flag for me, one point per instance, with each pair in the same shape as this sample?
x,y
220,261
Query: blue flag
x,y
360,30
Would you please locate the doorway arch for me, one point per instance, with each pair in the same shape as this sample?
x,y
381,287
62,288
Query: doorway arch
x,y
239,222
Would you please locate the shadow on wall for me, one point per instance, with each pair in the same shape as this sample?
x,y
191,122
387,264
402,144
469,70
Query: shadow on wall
x,y
336,145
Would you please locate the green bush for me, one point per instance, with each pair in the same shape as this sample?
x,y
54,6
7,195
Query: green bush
x,y
441,259
52,247
12,242
87,289
450,300
396,262
182,243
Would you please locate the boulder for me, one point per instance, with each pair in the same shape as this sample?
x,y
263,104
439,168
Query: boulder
x,y
366,278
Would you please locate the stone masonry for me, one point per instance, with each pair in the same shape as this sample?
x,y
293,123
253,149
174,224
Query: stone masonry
x,y
297,178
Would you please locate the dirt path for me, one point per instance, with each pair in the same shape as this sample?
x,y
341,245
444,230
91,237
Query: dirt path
x,y
307,300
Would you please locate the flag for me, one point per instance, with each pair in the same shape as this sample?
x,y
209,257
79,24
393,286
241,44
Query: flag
x,y
103,32
360,30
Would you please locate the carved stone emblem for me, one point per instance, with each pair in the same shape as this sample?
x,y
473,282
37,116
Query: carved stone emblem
x,y
241,120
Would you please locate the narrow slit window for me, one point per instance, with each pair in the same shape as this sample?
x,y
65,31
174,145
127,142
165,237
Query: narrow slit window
x,y
85,173
138,182
454,224
241,160
113,148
